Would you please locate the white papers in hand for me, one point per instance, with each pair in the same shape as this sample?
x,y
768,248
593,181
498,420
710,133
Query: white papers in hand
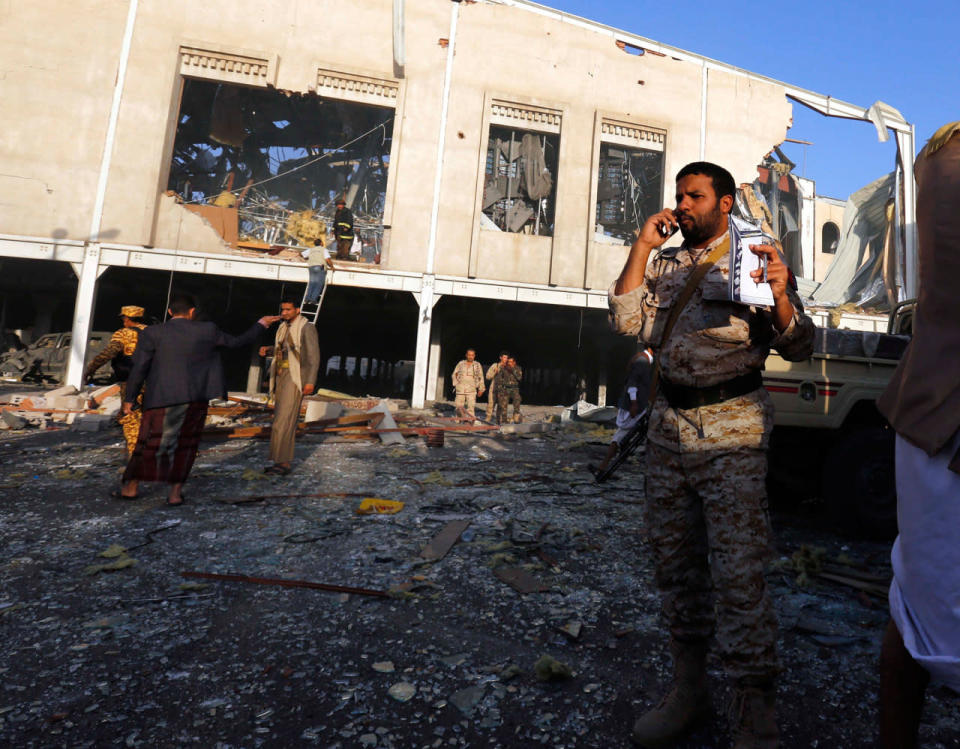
x,y
743,289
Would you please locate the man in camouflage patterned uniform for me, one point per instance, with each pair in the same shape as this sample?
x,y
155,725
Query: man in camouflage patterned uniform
x,y
492,377
119,352
706,506
508,390
468,384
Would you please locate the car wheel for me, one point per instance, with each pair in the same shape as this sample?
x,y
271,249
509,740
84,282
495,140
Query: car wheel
x,y
859,482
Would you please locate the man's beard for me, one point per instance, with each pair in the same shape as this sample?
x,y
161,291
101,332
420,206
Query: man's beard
x,y
703,228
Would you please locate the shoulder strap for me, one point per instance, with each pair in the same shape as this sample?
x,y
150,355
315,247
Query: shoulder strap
x,y
693,280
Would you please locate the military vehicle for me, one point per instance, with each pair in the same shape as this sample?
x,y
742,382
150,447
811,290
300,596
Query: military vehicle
x,y
830,441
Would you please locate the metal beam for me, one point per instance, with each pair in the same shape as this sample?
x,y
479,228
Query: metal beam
x,y
906,145
442,138
220,264
90,269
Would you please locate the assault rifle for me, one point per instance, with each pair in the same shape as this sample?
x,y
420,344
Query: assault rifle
x,y
628,447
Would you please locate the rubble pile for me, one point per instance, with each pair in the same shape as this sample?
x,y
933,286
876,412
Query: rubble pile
x,y
483,593
64,406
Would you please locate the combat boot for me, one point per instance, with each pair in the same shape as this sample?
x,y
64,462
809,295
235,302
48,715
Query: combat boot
x,y
754,719
685,705
517,419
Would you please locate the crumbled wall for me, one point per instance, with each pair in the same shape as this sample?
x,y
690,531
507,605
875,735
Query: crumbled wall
x,y
180,229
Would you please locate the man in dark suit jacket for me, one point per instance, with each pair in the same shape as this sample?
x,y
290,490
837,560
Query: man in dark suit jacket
x,y
180,363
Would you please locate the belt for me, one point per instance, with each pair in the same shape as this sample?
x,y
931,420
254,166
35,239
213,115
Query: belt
x,y
681,396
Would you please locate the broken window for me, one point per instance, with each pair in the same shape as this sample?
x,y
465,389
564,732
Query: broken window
x,y
629,189
519,191
275,162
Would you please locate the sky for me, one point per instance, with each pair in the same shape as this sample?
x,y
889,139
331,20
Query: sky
x,y
903,53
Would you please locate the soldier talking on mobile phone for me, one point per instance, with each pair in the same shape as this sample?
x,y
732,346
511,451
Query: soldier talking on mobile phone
x,y
710,421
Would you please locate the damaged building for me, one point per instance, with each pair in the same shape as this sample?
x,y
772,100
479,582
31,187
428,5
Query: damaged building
x,y
494,184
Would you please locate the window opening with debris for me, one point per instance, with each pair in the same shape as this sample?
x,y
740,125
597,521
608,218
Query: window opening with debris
x,y
265,167
519,191
629,189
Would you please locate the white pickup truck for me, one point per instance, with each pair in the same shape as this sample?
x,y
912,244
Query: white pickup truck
x,y
830,441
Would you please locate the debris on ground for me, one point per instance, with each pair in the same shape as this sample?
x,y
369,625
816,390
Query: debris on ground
x,y
548,668
300,622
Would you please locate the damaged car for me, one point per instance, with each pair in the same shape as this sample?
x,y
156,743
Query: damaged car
x,y
46,359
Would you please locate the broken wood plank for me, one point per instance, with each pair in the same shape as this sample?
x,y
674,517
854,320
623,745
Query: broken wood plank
x,y
365,418
856,574
236,433
520,580
441,543
286,583
873,588
251,402
234,410
314,427
38,409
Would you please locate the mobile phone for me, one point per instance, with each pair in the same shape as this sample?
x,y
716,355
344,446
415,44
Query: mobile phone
x,y
668,230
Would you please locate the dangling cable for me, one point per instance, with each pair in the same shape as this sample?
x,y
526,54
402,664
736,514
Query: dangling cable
x,y
166,307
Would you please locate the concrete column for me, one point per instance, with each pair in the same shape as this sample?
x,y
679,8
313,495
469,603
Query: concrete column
x,y
427,299
602,385
88,273
435,377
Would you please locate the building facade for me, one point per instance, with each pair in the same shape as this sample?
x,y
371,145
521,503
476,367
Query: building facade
x,y
496,154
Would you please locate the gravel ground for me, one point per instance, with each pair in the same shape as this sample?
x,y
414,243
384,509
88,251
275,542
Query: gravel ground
x,y
141,656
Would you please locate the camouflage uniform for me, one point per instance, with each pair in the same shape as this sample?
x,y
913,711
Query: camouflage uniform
x,y
508,391
119,351
467,380
706,509
492,388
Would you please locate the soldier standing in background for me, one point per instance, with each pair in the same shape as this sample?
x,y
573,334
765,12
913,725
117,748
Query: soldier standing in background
x,y
492,376
119,352
508,390
707,442
468,384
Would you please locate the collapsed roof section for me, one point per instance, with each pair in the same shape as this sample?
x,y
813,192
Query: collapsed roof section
x,y
265,167
863,272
